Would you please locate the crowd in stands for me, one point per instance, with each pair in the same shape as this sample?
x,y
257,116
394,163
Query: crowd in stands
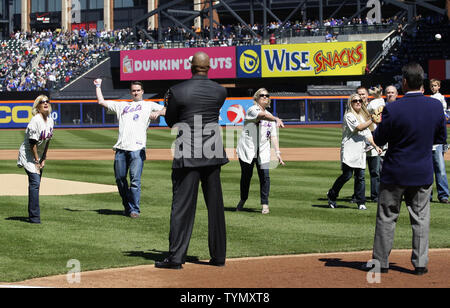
x,y
417,43
232,35
48,60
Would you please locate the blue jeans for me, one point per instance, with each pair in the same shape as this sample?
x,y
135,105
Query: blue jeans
x,y
374,164
359,188
134,162
440,173
34,183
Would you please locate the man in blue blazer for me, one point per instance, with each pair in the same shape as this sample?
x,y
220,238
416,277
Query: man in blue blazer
x,y
411,125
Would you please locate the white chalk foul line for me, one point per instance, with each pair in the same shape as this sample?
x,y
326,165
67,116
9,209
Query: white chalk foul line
x,y
12,286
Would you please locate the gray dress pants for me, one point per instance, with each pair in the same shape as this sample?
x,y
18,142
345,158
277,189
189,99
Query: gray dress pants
x,y
417,200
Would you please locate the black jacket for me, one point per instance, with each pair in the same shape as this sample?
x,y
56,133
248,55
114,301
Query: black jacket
x,y
193,106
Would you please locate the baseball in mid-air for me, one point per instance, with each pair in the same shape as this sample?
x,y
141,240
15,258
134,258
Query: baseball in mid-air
x,y
303,65
438,37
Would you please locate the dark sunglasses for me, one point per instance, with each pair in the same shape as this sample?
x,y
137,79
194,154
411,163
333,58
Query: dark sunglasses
x,y
357,101
43,102
264,95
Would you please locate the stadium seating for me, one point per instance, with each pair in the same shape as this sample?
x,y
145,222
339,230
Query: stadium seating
x,y
419,44
50,60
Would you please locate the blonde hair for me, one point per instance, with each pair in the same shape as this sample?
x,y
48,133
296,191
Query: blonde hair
x,y
37,101
363,112
376,92
256,95
435,81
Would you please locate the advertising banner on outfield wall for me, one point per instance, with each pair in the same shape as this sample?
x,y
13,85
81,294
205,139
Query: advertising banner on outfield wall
x,y
302,60
17,115
173,64
439,69
233,111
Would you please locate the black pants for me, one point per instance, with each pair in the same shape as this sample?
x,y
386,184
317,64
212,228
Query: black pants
x,y
185,183
264,180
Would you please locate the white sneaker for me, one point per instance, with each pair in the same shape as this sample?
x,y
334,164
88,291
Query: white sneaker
x,y
362,207
265,209
332,204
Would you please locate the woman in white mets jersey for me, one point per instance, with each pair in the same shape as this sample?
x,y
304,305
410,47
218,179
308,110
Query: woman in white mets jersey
x,y
355,131
254,145
134,118
33,152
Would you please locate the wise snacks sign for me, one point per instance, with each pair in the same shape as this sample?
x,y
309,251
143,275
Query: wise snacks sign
x,y
261,61
302,60
340,59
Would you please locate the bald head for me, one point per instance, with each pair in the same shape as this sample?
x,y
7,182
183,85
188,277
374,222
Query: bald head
x,y
391,94
200,63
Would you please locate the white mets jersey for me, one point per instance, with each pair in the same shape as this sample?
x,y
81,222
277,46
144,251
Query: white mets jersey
x,y
38,130
247,148
134,119
440,98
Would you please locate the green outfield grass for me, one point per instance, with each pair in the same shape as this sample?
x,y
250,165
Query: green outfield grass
x,y
163,138
303,137
91,229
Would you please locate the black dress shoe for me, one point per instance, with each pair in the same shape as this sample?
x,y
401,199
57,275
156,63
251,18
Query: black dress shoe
x,y
240,206
419,271
215,262
444,201
168,264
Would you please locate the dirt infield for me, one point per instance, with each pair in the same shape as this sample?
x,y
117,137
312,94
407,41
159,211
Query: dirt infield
x,y
289,154
340,270
17,185
333,270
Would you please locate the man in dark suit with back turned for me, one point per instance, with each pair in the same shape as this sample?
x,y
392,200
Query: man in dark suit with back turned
x,y
411,125
193,107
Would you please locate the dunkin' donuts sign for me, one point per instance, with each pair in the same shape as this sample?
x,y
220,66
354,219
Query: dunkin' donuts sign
x,y
170,64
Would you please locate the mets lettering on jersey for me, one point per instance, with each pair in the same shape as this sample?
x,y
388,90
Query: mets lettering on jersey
x,y
128,109
46,135
134,119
